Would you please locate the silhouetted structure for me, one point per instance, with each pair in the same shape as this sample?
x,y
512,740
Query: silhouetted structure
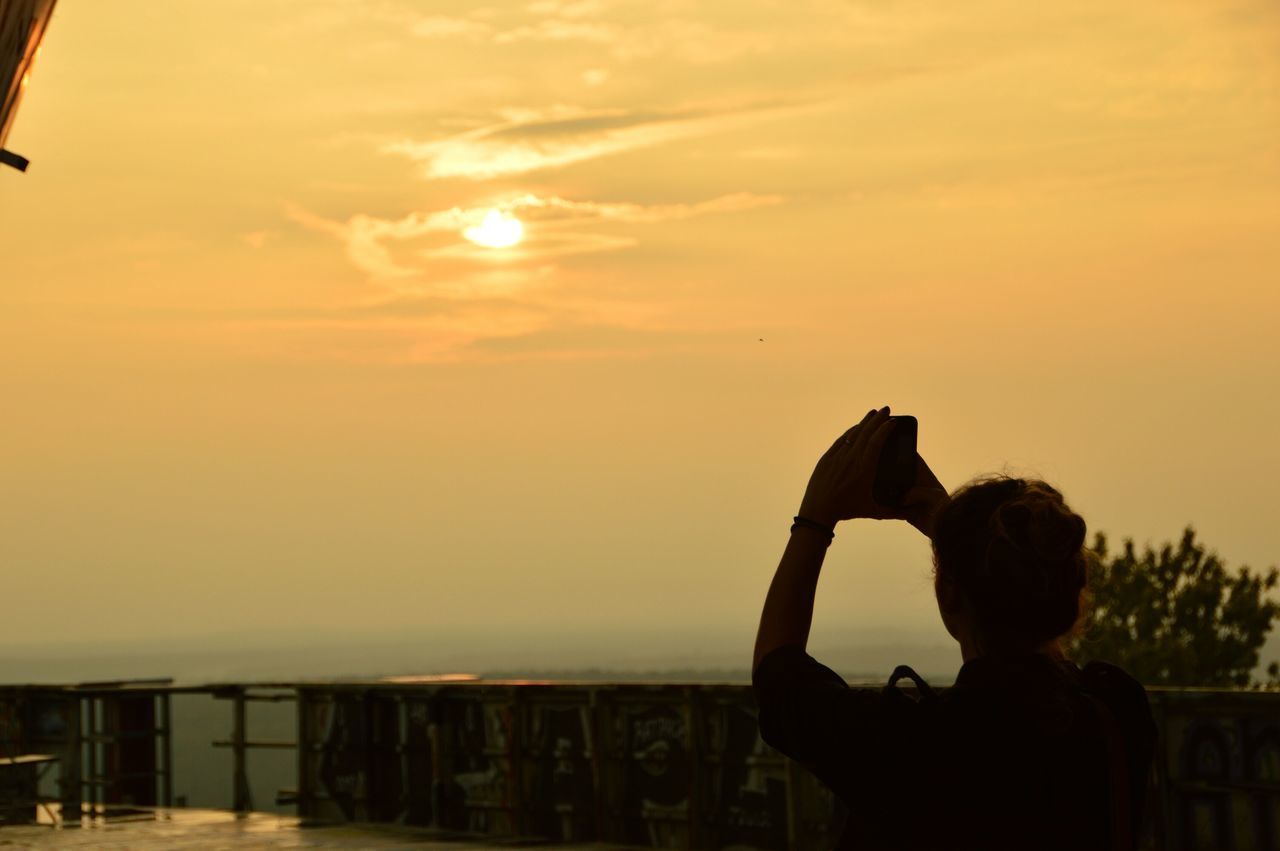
x,y
22,26
658,765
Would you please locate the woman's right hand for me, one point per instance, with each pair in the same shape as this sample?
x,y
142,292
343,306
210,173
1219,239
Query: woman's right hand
x,y
924,500
842,482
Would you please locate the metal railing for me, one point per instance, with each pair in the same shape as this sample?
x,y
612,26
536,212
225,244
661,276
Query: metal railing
x,y
670,765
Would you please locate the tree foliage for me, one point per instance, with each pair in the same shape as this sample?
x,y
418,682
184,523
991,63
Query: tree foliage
x,y
1177,616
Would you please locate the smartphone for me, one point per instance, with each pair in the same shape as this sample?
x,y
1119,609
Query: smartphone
x,y
896,467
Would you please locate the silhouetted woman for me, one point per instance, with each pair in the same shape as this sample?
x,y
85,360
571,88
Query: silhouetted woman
x,y
1026,751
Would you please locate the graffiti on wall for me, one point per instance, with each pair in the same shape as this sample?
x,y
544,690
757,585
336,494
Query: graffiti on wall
x,y
342,762
10,728
48,718
475,791
359,766
668,769
657,775
562,789
749,784
419,775
1225,773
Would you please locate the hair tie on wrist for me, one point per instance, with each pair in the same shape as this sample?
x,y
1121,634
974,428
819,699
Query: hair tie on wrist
x,y
806,523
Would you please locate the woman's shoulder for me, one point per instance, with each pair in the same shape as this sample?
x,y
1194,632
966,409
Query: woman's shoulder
x,y
1108,671
1107,679
1125,696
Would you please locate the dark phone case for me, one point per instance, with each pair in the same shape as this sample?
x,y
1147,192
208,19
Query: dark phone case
x,y
896,467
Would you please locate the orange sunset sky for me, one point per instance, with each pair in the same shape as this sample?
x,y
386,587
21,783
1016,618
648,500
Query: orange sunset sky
x,y
255,372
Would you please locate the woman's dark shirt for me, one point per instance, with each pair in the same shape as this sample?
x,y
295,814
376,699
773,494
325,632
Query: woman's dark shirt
x,y
1010,757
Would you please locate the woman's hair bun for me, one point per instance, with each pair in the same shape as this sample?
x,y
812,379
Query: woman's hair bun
x,y
1017,552
1038,523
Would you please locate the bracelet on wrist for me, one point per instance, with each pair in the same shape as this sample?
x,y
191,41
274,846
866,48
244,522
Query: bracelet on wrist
x,y
799,522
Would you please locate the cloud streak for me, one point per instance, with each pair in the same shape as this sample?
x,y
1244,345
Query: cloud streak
x,y
440,331
444,299
622,38
534,142
391,250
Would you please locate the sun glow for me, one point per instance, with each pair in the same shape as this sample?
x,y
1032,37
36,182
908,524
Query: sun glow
x,y
499,229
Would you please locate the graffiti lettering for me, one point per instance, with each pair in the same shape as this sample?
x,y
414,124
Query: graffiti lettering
x,y
646,731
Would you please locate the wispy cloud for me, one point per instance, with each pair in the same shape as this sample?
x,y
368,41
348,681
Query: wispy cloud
x,y
622,38
555,208
538,141
569,8
556,29
693,41
439,26
258,238
430,330
401,249
437,334
443,299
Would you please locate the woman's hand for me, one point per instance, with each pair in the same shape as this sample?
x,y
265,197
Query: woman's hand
x,y
840,487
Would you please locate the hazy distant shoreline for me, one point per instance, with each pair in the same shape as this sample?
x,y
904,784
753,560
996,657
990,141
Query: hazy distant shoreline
x,y
688,655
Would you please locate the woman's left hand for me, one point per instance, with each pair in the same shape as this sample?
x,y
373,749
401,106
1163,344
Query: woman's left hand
x,y
840,487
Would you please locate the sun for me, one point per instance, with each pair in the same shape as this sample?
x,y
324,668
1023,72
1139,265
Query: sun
x,y
499,229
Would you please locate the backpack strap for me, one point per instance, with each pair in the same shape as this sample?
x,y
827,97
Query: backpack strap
x,y
1118,760
926,693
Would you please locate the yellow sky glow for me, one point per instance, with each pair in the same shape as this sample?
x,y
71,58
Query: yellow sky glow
x,y
258,342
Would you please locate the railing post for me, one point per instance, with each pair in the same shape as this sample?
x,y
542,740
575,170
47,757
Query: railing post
x,y
70,779
1163,819
166,741
515,753
306,794
702,796
242,801
97,789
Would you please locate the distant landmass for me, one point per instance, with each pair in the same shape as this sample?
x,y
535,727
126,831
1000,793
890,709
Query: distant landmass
x,y
684,654
864,655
